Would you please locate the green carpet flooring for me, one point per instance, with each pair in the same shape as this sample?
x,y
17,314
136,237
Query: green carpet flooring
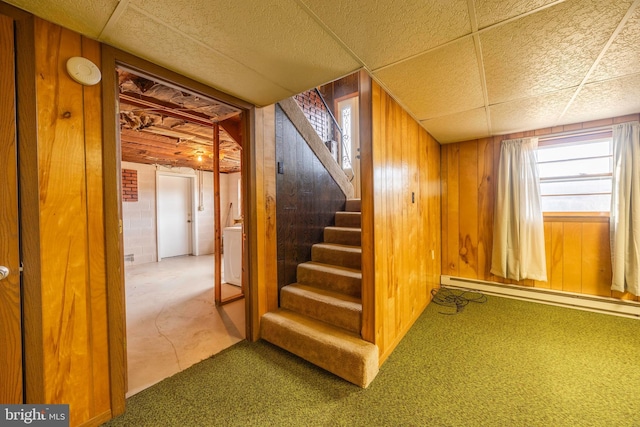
x,y
501,363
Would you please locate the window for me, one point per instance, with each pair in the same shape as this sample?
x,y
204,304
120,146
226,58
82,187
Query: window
x,y
575,173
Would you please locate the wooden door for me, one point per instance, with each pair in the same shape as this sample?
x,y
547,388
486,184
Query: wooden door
x,y
10,325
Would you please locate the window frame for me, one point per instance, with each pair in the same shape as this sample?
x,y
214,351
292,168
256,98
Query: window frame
x,y
575,138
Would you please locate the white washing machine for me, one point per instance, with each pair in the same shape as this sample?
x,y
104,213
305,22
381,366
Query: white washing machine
x,y
232,238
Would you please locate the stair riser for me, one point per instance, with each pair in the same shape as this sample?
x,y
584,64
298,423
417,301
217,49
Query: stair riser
x,y
336,257
342,317
342,236
348,219
332,282
353,205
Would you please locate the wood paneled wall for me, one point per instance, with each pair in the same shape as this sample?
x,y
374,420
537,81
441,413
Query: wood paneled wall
x,y
308,198
264,259
68,348
577,246
401,218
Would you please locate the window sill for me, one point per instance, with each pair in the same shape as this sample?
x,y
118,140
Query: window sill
x,y
576,216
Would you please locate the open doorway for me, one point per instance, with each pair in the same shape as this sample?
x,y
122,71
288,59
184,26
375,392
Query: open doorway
x,y
181,190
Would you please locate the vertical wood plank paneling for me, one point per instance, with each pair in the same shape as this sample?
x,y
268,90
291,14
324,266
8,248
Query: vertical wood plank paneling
x,y
486,203
378,221
308,199
403,165
453,211
577,249
92,96
72,276
497,145
596,264
468,209
394,207
444,207
548,252
269,203
11,391
571,256
261,145
422,199
435,213
266,265
557,251
63,223
413,221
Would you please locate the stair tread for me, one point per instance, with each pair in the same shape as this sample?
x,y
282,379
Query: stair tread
x,y
336,278
334,308
346,229
331,334
337,254
335,269
338,246
326,295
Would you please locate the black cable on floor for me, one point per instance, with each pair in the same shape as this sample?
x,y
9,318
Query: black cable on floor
x,y
457,299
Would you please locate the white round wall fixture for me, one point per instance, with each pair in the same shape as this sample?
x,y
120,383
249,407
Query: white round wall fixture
x,y
83,71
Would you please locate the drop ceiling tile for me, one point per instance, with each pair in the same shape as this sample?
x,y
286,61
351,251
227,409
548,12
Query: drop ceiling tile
x,y
83,16
276,38
548,50
459,126
441,82
489,12
623,56
134,31
386,31
610,98
529,114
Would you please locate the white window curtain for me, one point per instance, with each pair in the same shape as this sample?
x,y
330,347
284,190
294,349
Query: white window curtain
x,y
625,209
518,229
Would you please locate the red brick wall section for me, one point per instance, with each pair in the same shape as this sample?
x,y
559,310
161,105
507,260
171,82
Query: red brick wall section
x,y
315,111
129,185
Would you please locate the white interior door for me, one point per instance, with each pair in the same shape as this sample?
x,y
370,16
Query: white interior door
x,y
174,215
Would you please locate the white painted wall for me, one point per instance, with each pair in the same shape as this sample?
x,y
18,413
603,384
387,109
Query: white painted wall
x,y
206,217
140,220
229,194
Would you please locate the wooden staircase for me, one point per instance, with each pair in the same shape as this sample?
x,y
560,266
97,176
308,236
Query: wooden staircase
x,y
320,316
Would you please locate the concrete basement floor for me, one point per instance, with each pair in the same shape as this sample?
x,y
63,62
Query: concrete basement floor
x,y
172,319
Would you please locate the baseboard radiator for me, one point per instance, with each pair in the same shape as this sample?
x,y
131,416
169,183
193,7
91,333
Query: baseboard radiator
x,y
546,296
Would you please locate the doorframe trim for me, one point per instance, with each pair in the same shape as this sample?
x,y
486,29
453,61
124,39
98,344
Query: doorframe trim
x,y
112,58
29,202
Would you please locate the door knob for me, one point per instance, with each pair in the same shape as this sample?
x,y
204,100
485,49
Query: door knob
x,y
4,272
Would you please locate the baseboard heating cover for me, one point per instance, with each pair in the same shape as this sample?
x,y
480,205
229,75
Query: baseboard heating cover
x,y
547,296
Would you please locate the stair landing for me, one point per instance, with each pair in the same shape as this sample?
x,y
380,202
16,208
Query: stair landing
x,y
343,353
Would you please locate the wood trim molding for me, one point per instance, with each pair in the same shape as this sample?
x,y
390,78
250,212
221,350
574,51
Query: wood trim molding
x,y
29,205
367,207
299,120
576,216
113,236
